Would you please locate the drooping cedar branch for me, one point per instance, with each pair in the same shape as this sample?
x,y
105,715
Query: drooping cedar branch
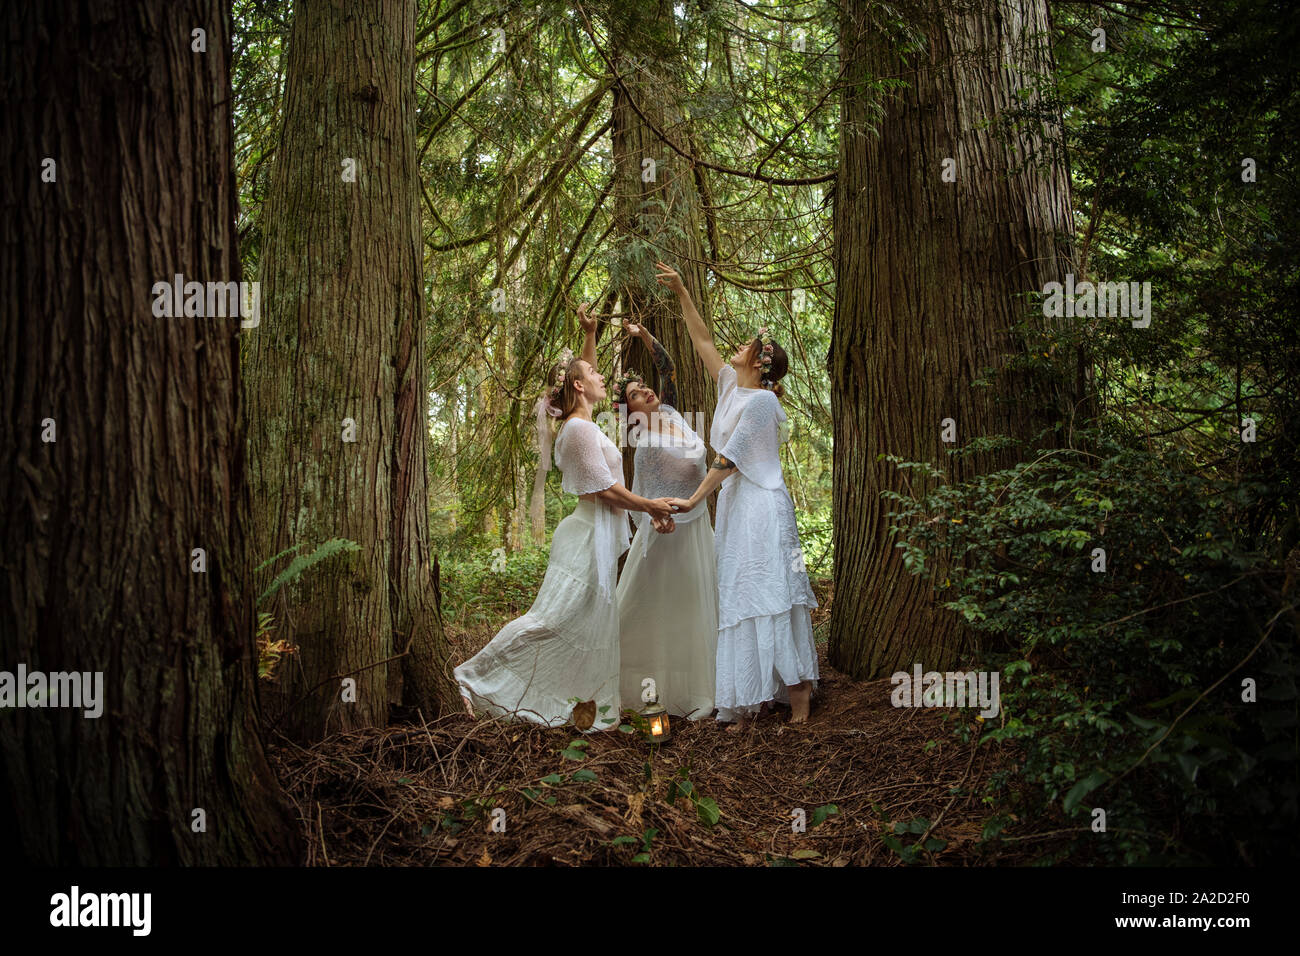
x,y
549,179
671,144
556,176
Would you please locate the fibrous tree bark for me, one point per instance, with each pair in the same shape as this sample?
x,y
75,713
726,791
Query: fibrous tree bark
x,y
123,500
949,210
336,375
657,203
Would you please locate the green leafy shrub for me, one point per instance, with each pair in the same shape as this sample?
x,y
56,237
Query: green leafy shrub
x,y
485,587
1122,689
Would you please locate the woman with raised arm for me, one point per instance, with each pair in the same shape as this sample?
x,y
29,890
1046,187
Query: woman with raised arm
x,y
766,649
668,593
566,646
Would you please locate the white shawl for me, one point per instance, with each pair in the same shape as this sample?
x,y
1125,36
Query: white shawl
x,y
666,466
747,430
589,462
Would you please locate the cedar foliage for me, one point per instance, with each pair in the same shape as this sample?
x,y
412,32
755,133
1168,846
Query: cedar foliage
x,y
1121,690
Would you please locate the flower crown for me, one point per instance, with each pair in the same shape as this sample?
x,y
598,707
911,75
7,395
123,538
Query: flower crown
x,y
765,355
631,375
554,392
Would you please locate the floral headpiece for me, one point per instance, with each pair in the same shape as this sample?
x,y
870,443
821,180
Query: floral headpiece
x,y
552,397
765,354
631,375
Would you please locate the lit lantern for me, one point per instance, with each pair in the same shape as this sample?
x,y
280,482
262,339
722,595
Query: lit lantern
x,y
657,730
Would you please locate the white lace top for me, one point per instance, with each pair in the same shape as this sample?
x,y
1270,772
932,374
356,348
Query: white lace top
x,y
590,462
667,466
747,430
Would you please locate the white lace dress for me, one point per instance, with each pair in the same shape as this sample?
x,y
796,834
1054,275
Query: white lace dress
x,y
765,637
668,593
567,645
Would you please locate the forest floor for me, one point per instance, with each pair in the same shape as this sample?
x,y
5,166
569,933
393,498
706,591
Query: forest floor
x,y
427,792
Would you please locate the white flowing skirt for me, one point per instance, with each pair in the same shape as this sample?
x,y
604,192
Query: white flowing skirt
x,y
765,602
565,647
668,618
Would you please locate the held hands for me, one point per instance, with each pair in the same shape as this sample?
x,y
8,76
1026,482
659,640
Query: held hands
x,y
670,278
660,508
681,504
666,526
587,322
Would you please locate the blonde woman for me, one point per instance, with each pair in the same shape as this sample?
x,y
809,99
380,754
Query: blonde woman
x,y
567,645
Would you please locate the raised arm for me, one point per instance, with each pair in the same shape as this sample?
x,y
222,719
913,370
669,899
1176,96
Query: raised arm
x,y
663,363
664,366
588,324
700,336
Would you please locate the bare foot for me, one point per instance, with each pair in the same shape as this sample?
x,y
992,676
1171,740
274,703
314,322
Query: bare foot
x,y
799,696
469,708
736,727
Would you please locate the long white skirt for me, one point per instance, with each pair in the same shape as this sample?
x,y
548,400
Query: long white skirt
x,y
765,635
668,618
566,646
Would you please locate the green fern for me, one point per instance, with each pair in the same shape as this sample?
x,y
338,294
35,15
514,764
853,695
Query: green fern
x,y
274,558
302,562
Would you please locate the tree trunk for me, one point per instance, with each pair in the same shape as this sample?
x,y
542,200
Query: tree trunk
x,y
659,218
146,462
337,374
930,278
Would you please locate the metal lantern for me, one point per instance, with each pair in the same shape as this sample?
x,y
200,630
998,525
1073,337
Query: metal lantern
x,y
655,716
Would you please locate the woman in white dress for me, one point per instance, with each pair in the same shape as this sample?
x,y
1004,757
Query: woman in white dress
x,y
567,646
668,592
766,649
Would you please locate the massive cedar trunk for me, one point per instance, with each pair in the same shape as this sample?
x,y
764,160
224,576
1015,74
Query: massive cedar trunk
x,y
660,218
99,525
341,347
930,278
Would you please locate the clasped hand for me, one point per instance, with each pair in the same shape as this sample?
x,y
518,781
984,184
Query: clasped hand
x,y
661,514
667,524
